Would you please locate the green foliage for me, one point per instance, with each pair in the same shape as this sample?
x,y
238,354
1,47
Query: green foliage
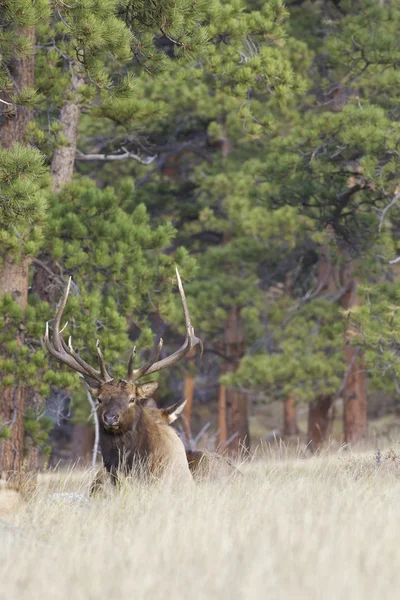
x,y
22,198
271,170
375,325
37,429
274,136
119,269
26,363
305,353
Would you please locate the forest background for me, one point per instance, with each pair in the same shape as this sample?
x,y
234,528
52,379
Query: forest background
x,y
256,146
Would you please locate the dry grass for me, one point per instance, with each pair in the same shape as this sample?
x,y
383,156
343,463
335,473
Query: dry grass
x,y
319,528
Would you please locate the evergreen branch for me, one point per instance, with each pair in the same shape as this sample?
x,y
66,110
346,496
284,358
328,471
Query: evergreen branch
x,y
122,156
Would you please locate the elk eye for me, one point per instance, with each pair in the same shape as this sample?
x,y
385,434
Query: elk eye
x,y
99,400
132,400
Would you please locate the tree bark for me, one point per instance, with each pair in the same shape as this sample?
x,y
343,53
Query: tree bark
x,y
15,119
62,170
188,393
319,421
82,445
14,275
234,435
290,428
222,419
234,401
63,161
355,422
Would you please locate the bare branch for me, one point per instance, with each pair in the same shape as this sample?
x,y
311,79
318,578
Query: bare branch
x,y
96,429
201,433
147,160
170,38
391,203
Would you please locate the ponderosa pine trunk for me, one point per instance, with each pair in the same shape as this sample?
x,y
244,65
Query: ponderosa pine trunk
x,y
222,419
319,421
234,400
318,409
234,435
63,161
82,444
188,393
355,422
290,428
14,275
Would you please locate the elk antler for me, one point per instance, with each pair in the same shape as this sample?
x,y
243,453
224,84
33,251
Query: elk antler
x,y
154,364
66,354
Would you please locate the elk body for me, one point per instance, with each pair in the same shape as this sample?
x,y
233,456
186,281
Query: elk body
x,y
133,437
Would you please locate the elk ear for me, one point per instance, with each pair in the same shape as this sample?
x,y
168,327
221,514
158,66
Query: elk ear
x,y
146,390
173,412
92,386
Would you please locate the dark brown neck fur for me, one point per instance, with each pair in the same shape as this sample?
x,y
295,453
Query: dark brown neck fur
x,y
124,449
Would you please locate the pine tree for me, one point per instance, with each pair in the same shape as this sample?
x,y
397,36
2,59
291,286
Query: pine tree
x,y
86,57
223,98
22,198
337,166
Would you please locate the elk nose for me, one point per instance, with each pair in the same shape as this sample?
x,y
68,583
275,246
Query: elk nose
x,y
111,419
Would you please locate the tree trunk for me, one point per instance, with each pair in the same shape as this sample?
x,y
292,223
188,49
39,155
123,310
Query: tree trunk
x,y
290,428
355,421
222,419
62,170
234,401
319,421
82,445
15,119
234,433
14,275
62,164
188,393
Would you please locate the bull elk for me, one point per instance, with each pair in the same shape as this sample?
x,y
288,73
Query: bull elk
x,y
131,434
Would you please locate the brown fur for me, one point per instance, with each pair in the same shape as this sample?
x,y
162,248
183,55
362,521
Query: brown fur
x,y
209,465
134,437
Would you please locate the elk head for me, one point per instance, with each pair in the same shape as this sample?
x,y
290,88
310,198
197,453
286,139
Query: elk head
x,y
120,400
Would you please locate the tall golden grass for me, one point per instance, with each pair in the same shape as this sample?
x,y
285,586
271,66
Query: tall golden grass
x,y
317,528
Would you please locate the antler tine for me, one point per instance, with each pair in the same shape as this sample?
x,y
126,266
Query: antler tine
x,y
64,357
87,369
84,368
130,364
59,348
134,374
59,314
190,341
103,369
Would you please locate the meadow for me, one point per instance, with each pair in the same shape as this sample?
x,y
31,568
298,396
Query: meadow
x,y
322,527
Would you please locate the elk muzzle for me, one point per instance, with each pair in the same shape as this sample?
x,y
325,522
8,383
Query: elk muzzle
x,y
110,420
